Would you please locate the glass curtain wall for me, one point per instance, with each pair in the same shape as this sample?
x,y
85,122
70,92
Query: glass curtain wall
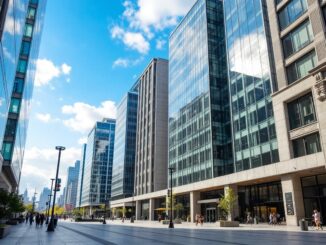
x,y
254,135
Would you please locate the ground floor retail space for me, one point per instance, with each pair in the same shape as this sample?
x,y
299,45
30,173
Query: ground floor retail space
x,y
289,197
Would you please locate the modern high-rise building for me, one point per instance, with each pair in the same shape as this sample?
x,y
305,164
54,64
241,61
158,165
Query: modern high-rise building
x,y
199,117
275,93
44,198
151,145
125,146
70,198
81,177
96,188
21,23
25,197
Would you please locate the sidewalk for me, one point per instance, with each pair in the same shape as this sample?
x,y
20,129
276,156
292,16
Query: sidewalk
x,y
209,226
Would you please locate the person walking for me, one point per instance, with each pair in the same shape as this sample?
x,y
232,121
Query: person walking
x,y
26,218
31,219
316,216
37,219
42,218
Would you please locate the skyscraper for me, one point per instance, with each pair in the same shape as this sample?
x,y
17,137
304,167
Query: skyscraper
x,y
96,189
18,72
81,177
71,187
151,145
125,147
44,198
199,121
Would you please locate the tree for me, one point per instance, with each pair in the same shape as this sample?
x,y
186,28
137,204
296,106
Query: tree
x,y
10,203
227,202
76,213
29,207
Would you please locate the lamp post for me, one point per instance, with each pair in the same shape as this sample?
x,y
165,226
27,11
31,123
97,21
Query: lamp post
x,y
34,199
51,224
105,201
49,206
171,169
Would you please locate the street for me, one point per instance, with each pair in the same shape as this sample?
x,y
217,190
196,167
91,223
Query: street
x,y
95,233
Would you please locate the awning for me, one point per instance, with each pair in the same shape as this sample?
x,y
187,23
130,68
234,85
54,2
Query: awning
x,y
214,200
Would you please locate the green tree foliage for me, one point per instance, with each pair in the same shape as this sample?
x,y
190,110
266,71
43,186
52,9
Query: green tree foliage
x,y
227,201
10,203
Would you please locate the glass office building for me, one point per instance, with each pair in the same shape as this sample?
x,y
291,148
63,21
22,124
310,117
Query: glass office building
x,y
96,187
250,84
23,53
125,146
81,177
199,120
71,185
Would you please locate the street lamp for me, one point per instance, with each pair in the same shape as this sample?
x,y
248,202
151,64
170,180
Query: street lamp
x,y
171,169
34,200
105,201
51,224
49,204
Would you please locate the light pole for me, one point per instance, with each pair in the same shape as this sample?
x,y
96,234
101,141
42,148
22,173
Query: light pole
x,y
49,206
34,198
171,169
51,224
105,201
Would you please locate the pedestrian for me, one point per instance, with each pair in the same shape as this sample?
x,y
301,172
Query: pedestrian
x,y
42,218
37,219
197,219
270,218
316,216
26,218
31,219
201,220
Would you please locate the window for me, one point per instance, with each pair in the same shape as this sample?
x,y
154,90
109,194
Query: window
x,y
297,39
301,67
291,12
14,105
301,111
28,30
31,13
24,50
306,145
18,85
6,150
22,66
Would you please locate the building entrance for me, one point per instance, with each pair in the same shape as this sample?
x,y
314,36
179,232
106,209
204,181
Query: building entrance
x,y
210,215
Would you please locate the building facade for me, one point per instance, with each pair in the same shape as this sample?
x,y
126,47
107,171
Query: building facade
x,y
125,147
151,145
96,188
276,53
81,177
44,198
19,53
70,198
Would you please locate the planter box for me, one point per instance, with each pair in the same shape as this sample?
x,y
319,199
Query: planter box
x,y
225,223
12,222
4,231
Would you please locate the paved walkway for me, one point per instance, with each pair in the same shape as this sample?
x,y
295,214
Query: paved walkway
x,y
145,232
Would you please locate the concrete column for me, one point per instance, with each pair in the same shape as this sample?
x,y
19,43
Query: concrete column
x,y
151,209
292,197
235,210
194,206
138,210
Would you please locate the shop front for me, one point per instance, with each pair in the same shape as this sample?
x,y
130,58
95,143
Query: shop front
x,y
314,195
261,200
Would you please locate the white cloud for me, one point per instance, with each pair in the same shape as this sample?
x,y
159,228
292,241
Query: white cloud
x,y
46,71
40,165
84,115
156,14
123,62
160,44
82,141
133,40
66,69
43,117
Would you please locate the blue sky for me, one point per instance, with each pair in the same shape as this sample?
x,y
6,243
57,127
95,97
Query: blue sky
x,y
91,53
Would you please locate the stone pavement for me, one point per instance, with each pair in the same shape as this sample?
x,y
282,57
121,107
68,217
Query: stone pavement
x,y
145,232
